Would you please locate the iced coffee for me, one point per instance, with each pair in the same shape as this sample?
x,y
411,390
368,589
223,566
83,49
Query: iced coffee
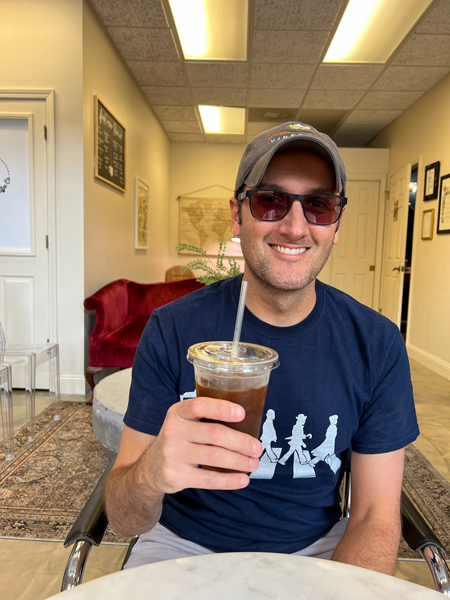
x,y
240,376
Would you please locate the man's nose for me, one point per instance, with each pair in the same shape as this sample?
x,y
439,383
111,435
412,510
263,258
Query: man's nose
x,y
294,223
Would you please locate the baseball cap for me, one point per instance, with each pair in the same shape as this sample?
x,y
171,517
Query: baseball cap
x,y
261,149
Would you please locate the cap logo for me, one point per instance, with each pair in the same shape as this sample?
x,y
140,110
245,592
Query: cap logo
x,y
296,127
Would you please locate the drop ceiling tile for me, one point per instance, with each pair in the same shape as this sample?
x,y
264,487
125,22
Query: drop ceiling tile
x,y
391,100
224,139
293,14
217,74
410,78
136,43
220,96
332,99
263,98
345,77
175,113
424,50
437,20
368,118
186,137
280,76
255,128
158,73
167,96
132,13
181,126
351,140
291,47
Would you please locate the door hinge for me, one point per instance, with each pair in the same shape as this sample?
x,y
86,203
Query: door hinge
x,y
387,194
45,132
371,267
46,241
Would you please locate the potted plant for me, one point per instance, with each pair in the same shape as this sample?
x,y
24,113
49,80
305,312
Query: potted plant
x,y
212,272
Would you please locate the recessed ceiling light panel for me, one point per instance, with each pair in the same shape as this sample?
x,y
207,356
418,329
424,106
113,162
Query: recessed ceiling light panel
x,y
211,29
371,30
223,119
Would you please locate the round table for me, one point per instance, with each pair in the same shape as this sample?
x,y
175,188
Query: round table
x,y
248,576
109,403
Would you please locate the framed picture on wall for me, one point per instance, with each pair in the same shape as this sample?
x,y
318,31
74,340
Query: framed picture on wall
x,y
443,225
141,215
427,224
109,145
431,184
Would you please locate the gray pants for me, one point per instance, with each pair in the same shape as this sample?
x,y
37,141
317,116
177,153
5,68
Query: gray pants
x,y
161,544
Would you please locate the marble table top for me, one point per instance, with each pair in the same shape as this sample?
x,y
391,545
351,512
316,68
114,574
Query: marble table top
x,y
248,576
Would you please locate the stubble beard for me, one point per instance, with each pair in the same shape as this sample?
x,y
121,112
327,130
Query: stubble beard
x,y
265,275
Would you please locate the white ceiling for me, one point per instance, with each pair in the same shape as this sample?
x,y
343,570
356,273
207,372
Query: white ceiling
x,y
284,74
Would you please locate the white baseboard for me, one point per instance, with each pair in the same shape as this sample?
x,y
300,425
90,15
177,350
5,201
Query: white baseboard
x,y
72,384
428,360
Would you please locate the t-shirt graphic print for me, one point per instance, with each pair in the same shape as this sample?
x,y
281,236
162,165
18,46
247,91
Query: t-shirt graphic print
x,y
302,459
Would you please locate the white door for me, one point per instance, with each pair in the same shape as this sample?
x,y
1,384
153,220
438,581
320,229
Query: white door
x,y
352,261
24,257
394,245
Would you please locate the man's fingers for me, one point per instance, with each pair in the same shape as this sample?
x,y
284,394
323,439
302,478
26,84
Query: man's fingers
x,y
201,407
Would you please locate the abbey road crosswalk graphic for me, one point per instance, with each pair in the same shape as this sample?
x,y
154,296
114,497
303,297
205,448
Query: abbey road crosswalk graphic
x,y
301,461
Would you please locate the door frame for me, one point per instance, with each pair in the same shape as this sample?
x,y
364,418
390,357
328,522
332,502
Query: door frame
x,y
48,96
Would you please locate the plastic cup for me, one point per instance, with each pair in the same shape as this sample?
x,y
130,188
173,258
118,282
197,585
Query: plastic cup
x,y
241,377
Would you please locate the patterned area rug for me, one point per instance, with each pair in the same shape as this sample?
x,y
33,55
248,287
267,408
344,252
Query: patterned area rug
x,y
45,487
43,490
429,491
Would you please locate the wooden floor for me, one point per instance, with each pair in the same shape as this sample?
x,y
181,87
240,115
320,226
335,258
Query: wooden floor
x,y
32,570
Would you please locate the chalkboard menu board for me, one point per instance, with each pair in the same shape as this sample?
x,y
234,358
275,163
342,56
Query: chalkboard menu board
x,y
109,147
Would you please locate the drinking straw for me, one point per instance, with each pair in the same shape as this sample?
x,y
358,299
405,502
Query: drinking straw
x,y
239,318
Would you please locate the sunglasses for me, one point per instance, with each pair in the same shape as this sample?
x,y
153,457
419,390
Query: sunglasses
x,y
319,209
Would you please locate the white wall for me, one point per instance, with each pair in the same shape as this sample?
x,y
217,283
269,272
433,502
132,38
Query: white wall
x,y
109,214
40,46
422,134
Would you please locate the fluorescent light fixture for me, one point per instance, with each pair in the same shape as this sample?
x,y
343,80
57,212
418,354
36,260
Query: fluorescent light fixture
x,y
371,30
211,29
223,119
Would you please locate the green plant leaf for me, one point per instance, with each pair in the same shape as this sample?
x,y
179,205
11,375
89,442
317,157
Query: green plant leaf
x,y
211,272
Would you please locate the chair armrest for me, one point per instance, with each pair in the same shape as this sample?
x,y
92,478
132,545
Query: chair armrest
x,y
88,530
111,306
420,537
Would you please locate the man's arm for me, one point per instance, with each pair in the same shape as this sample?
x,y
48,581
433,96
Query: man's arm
x,y
147,467
372,537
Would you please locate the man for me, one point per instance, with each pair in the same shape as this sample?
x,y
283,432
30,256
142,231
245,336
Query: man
x,y
342,366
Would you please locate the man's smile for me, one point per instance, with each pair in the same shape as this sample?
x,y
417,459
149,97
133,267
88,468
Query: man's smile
x,y
285,250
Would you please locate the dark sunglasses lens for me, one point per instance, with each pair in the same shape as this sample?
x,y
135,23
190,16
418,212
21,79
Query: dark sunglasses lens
x,y
269,206
322,209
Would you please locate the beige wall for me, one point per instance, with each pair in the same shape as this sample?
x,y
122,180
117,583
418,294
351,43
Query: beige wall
x,y
421,135
109,214
40,49
194,167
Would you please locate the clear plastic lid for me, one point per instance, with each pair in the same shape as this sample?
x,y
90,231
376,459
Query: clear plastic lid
x,y
218,355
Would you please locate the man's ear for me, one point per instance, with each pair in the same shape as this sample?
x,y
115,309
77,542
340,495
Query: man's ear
x,y
235,216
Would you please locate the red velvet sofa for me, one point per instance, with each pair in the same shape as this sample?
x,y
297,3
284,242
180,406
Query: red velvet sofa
x,y
122,310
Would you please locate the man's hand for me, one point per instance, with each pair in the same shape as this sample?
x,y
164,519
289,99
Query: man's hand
x,y
148,467
185,442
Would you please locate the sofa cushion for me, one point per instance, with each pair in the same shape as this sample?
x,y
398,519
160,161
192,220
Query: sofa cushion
x,y
129,334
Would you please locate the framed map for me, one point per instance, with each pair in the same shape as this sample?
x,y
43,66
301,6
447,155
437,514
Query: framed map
x,y
204,222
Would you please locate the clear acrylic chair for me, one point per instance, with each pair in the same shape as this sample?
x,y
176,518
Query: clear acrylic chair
x,y
6,410
31,356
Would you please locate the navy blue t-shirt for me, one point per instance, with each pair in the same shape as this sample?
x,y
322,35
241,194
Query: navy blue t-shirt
x,y
343,381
